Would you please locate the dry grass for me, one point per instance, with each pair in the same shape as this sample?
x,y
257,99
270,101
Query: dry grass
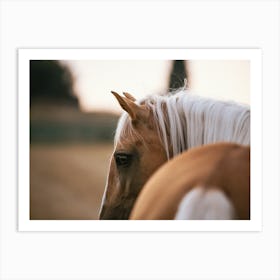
x,y
67,181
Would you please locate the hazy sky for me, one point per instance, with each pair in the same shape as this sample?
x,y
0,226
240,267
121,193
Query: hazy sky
x,y
94,80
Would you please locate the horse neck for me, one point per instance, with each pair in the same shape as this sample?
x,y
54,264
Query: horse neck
x,y
196,121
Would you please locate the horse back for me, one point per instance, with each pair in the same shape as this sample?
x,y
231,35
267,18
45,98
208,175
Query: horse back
x,y
212,175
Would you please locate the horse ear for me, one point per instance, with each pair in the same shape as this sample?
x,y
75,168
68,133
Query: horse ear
x,y
135,111
129,96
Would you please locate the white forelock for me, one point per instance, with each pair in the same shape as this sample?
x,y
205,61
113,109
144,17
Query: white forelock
x,y
185,120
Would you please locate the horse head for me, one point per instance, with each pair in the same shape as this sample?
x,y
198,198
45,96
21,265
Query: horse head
x,y
138,152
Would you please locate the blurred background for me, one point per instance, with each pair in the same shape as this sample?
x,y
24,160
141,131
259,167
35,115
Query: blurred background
x,y
73,117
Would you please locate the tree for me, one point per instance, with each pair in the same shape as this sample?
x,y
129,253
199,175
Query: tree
x,y
51,80
178,74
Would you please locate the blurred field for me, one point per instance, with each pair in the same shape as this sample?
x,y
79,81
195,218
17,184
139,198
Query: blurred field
x,y
67,180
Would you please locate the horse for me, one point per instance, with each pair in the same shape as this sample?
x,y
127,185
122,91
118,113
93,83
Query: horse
x,y
210,182
156,129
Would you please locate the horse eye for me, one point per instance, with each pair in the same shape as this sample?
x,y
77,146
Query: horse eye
x,y
122,159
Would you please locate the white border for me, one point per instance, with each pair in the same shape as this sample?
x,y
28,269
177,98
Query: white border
x,y
253,55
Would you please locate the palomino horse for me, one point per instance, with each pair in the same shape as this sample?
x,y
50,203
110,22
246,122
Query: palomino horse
x,y
156,129
208,182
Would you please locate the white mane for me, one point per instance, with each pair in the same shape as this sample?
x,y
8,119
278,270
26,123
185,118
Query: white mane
x,y
187,120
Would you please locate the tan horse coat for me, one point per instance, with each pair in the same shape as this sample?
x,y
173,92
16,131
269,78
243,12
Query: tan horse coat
x,y
222,166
